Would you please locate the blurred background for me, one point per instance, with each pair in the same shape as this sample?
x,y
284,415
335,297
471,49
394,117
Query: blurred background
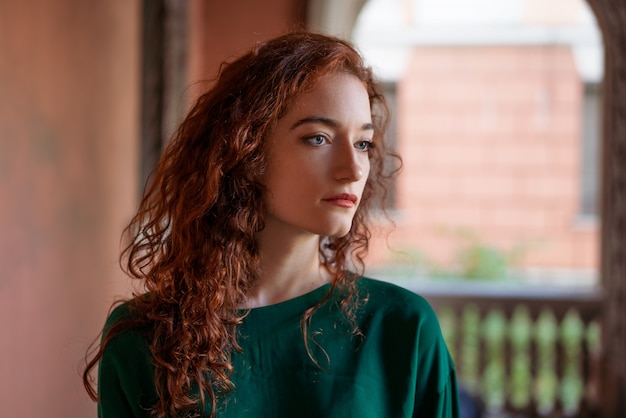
x,y
508,214
497,107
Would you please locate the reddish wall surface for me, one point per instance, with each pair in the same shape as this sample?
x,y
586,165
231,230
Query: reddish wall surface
x,y
490,138
221,31
68,140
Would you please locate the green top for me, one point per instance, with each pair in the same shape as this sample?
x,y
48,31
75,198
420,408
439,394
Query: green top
x,y
400,368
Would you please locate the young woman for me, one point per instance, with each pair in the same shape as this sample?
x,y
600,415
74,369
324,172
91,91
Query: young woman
x,y
250,242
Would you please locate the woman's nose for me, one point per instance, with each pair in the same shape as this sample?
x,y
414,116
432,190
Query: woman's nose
x,y
350,163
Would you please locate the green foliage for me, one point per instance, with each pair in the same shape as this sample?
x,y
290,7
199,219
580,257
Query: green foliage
x,y
479,260
474,259
482,262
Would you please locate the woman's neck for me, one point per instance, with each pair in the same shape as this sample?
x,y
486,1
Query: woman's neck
x,y
290,267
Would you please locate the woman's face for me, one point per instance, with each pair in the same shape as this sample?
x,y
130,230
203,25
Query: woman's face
x,y
318,159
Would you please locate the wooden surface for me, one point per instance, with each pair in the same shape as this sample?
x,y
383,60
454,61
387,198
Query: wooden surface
x,y
611,15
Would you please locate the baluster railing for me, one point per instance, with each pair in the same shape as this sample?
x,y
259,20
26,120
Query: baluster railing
x,y
525,351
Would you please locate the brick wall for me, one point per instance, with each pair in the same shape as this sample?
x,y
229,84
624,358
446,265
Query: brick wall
x,y
490,138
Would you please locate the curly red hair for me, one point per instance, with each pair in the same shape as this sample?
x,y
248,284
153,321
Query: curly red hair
x,y
192,241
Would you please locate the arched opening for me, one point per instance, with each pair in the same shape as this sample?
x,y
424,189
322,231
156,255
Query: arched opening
x,y
499,125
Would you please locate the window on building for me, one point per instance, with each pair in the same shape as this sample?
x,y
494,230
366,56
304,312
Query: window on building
x,y
590,151
390,92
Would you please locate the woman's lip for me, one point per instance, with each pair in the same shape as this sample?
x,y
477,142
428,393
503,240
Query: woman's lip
x,y
344,200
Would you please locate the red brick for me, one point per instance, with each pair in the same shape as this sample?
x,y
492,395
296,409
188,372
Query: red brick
x,y
490,138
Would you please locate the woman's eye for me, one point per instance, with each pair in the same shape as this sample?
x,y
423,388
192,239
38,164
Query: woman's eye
x,y
364,145
316,140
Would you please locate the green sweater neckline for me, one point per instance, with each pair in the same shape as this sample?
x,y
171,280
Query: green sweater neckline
x,y
286,308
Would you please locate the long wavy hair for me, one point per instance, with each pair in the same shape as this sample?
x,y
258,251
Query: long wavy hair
x,y
192,241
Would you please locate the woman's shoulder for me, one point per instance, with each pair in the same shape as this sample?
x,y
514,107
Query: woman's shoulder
x,y
397,305
121,311
126,369
126,325
391,295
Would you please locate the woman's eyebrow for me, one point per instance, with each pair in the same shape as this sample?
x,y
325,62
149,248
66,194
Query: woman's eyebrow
x,y
328,122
